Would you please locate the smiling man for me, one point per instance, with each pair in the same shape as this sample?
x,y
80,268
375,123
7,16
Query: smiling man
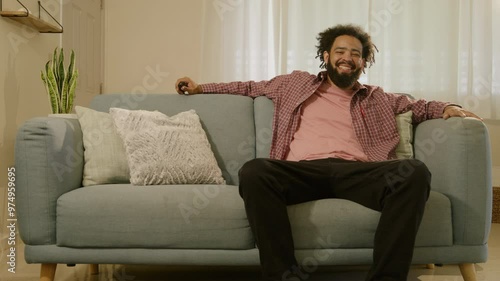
x,y
334,138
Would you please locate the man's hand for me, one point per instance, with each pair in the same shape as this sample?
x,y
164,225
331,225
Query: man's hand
x,y
456,111
192,88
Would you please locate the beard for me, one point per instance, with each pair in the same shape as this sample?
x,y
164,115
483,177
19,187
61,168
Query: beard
x,y
343,80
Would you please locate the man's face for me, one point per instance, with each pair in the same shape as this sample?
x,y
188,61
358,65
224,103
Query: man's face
x,y
344,63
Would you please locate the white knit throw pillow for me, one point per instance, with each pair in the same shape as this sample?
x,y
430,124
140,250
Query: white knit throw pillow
x,y
105,158
404,150
166,150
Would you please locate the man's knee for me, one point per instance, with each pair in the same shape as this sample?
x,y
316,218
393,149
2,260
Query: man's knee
x,y
251,172
418,175
420,171
253,168
412,171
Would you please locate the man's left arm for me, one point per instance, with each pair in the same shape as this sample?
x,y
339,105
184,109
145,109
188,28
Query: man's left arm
x,y
425,110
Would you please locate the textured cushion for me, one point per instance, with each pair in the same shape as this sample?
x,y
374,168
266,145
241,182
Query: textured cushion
x,y
159,216
166,150
105,160
404,150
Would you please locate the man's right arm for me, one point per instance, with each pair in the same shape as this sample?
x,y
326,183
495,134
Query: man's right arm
x,y
252,89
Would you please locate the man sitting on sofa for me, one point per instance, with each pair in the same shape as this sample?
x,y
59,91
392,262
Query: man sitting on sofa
x,y
334,138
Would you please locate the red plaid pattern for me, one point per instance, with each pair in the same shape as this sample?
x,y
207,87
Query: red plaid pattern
x,y
372,110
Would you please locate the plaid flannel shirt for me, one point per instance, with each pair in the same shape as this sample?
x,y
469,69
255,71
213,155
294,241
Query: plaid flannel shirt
x,y
373,111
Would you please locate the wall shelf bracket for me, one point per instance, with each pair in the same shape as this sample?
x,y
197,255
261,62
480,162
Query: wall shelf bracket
x,y
27,18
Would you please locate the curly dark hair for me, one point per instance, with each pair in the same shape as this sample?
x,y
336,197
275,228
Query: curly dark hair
x,y
327,37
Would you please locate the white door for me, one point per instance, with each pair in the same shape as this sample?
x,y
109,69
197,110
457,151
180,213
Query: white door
x,y
83,25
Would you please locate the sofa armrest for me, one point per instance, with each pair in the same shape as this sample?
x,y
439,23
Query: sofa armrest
x,y
49,163
457,152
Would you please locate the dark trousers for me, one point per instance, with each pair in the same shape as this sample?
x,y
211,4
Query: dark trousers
x,y
397,188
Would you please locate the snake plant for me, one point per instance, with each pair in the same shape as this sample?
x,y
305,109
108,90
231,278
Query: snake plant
x,y
59,83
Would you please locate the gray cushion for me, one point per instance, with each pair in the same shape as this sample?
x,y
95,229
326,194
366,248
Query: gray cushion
x,y
338,223
163,216
211,216
264,109
226,119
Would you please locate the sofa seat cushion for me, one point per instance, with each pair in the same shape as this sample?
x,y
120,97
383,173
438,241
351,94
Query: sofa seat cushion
x,y
338,223
213,217
163,216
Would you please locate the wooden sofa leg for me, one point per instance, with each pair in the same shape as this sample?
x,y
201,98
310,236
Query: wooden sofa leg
x,y
48,271
94,269
468,271
430,266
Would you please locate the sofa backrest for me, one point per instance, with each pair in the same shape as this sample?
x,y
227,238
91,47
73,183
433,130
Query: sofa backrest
x,y
264,109
228,121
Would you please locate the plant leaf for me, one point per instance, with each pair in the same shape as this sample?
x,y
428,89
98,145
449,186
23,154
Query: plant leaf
x,y
60,76
51,87
71,91
55,62
71,76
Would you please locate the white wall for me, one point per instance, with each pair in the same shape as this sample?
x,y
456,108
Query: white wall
x,y
156,36
164,36
23,54
494,131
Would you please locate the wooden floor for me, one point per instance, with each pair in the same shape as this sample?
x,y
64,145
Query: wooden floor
x,y
489,271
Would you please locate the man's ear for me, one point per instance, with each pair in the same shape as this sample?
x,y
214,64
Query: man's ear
x,y
363,65
326,57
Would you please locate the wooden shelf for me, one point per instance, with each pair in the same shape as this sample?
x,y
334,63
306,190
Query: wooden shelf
x,y
32,21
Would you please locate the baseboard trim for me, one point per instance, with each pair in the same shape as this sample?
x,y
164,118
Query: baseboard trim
x,y
495,216
495,174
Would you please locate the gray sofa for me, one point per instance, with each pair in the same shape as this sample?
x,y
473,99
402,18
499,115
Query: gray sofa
x,y
62,222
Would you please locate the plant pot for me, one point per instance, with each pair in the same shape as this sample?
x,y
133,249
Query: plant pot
x,y
64,115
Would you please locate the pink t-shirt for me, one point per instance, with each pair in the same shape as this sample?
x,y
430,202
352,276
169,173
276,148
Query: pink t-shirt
x,y
325,129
